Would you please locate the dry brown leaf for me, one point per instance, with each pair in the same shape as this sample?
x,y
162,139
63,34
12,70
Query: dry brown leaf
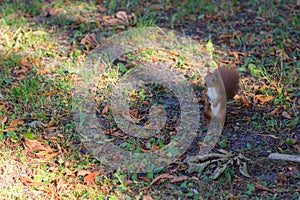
x,y
272,136
262,99
43,158
134,113
246,103
275,112
90,41
10,129
236,55
128,117
83,172
3,120
43,71
51,93
160,177
123,17
111,21
106,109
172,178
27,181
101,8
23,61
286,115
120,134
44,153
126,19
177,179
16,122
90,178
261,187
35,145
153,148
50,124
147,197
59,183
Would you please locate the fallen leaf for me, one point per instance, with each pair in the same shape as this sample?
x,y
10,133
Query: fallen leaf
x,y
27,181
3,120
236,55
261,187
111,21
101,8
147,197
246,103
16,122
126,19
177,179
51,93
160,177
128,117
90,41
286,115
90,178
43,71
276,111
83,172
23,61
106,109
123,17
172,178
271,136
262,99
9,129
153,148
50,124
35,145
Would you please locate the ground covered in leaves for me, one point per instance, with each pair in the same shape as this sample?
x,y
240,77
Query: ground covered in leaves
x,y
42,44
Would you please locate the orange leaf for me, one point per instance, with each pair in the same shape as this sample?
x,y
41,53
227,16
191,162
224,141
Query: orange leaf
x,y
106,109
10,129
35,145
90,178
43,71
262,98
50,124
101,8
147,197
162,176
83,172
3,120
51,93
23,61
276,111
16,122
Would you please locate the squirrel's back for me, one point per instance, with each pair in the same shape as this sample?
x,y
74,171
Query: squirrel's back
x,y
230,79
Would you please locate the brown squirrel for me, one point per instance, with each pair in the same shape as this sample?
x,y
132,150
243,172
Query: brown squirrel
x,y
214,98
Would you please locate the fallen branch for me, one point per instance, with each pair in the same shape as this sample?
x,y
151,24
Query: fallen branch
x,y
286,157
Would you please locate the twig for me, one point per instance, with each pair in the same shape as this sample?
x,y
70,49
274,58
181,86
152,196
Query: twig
x,y
287,157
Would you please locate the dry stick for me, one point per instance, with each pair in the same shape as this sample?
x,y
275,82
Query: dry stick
x,y
287,157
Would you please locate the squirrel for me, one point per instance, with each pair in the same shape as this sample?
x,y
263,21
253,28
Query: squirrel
x,y
214,98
